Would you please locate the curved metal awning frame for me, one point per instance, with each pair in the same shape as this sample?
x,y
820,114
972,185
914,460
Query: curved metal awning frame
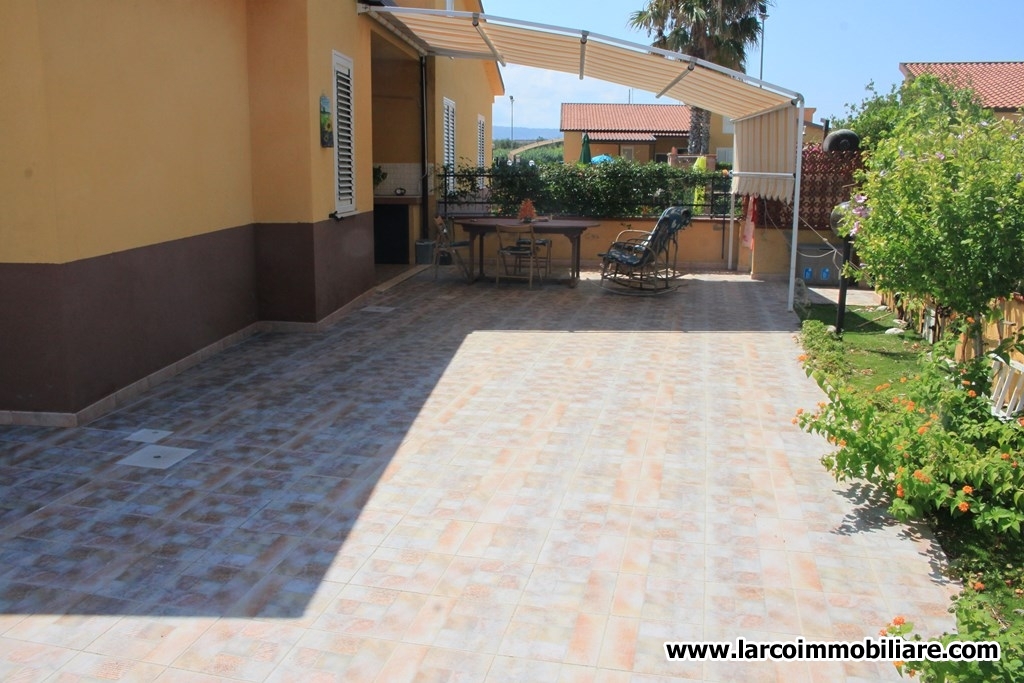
x,y
769,131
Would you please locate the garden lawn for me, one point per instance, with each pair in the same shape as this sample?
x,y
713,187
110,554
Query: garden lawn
x,y
990,566
872,356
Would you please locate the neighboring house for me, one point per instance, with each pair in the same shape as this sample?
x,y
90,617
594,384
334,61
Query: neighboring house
x,y
178,173
999,85
640,132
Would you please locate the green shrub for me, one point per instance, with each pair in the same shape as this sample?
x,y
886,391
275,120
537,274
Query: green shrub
x,y
930,441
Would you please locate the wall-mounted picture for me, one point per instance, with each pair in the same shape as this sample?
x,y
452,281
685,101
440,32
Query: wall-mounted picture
x,y
326,132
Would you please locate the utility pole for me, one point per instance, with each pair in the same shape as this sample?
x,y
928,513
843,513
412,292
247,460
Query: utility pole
x,y
512,120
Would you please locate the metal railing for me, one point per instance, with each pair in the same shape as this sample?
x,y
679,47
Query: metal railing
x,y
499,191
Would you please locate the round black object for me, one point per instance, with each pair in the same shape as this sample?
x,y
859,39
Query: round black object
x,y
841,140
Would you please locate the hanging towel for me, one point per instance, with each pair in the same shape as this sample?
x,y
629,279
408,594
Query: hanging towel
x,y
750,222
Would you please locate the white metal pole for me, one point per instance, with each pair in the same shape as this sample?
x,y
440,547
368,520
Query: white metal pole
x,y
796,203
732,223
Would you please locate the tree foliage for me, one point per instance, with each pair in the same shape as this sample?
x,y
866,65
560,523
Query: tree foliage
x,y
718,31
877,115
941,201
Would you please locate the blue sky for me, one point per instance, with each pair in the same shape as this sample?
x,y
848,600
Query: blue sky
x,y
826,51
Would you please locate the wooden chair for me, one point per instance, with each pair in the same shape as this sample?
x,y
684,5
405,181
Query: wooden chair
x,y
518,256
1007,388
643,261
446,249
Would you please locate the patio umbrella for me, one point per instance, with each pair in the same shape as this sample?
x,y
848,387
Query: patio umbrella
x,y
601,158
585,150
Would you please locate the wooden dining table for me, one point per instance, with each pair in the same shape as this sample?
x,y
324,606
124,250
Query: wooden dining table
x,y
478,228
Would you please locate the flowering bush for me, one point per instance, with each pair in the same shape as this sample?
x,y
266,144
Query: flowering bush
x,y
930,441
946,199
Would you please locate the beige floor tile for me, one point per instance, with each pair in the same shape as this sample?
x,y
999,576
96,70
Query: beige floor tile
x,y
386,501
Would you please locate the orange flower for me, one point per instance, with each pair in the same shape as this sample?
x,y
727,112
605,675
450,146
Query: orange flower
x,y
1021,422
903,380
793,421
968,490
527,210
979,586
970,320
884,632
964,506
882,387
898,621
899,663
899,490
922,477
802,357
933,417
842,443
799,411
1005,456
911,673
966,382
910,406
922,429
972,393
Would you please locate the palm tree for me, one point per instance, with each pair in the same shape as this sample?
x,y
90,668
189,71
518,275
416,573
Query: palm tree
x,y
718,31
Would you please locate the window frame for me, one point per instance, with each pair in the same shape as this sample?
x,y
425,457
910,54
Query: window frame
x,y
448,156
344,133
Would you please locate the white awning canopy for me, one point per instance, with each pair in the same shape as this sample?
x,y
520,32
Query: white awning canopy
x,y
508,41
769,135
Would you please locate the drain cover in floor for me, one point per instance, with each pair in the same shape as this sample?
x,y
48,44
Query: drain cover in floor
x,y
157,457
148,435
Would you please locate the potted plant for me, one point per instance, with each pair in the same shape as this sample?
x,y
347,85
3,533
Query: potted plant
x,y
527,212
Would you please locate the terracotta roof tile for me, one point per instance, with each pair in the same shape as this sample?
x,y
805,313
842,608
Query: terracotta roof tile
x,y
634,118
620,136
1000,85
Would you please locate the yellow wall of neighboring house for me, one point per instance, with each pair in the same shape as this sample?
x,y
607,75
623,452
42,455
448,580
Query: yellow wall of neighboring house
x,y
718,137
87,99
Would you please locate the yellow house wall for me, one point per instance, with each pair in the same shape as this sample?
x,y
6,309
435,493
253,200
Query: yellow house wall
x,y
280,113
28,214
137,163
333,26
457,80
771,255
718,137
700,244
572,145
396,103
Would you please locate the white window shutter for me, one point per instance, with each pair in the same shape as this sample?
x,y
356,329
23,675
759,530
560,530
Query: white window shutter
x,y
449,134
344,130
481,148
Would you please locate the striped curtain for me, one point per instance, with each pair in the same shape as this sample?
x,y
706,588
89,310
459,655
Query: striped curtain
x,y
766,143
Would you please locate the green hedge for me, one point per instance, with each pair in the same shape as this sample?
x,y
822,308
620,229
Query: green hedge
x,y
614,189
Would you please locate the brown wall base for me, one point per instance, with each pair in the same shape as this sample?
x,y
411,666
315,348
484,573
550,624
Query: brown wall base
x,y
72,334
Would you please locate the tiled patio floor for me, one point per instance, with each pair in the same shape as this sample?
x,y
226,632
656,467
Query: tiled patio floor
x,y
458,483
